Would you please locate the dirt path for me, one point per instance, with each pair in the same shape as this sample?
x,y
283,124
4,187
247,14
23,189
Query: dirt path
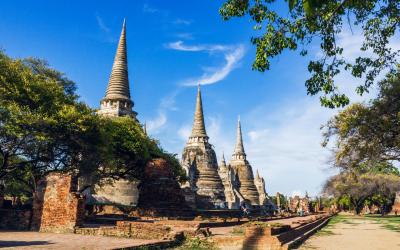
x,y
356,233
35,240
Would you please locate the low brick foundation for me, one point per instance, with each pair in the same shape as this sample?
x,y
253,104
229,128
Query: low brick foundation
x,y
57,208
161,230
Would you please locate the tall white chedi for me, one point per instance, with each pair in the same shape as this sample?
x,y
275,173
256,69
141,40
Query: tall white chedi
x,y
117,102
200,162
244,170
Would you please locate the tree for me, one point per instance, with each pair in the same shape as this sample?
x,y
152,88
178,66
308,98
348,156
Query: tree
x,y
359,187
127,149
368,135
34,108
45,128
367,147
322,21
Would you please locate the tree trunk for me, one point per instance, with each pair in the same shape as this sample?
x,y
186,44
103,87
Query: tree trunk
x,y
358,205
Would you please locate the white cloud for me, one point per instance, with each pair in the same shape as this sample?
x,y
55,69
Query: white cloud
x,y
231,60
285,145
178,45
211,75
351,43
148,9
101,24
154,11
166,104
184,132
180,21
218,138
106,34
156,123
187,36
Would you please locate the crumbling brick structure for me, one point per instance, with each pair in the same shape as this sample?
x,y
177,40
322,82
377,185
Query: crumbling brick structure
x,y
160,193
57,206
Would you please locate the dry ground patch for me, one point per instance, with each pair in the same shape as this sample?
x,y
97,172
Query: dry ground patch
x,y
357,232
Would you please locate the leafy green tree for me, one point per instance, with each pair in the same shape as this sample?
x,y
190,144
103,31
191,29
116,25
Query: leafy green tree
x,y
127,149
322,21
344,202
45,128
359,188
368,135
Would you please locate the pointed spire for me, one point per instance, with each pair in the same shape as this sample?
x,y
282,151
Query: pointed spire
x,y
239,149
223,162
199,129
118,84
257,175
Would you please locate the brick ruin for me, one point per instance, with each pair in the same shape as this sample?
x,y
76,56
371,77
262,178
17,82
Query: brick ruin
x,y
297,204
396,204
57,207
160,192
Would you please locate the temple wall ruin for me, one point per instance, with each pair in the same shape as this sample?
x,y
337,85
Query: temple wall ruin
x,y
57,206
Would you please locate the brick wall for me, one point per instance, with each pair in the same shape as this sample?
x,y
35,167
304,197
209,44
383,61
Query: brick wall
x,y
57,207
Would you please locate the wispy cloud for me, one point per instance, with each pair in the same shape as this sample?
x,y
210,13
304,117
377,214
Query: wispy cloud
x,y
231,61
351,43
101,24
156,123
187,36
180,21
147,9
285,145
167,104
153,10
184,132
232,55
178,45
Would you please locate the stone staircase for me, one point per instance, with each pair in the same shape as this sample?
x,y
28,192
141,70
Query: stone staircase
x,y
271,238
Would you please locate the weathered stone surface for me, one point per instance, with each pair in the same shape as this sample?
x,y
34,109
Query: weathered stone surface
x,y
297,204
244,171
117,101
120,192
230,183
260,185
200,163
57,206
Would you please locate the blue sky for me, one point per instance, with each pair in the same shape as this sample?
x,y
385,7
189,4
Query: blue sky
x,y
172,45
